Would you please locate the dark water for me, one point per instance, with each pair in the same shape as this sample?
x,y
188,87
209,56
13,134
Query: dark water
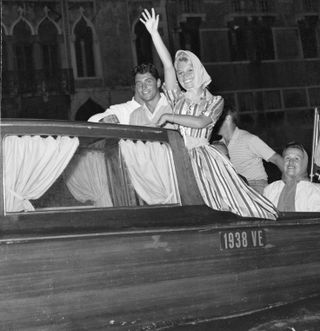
x,y
300,316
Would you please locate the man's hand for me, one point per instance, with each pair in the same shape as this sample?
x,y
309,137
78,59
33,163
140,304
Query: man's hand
x,y
110,119
277,159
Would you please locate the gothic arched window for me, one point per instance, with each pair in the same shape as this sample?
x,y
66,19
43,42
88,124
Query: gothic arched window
x,y
23,46
251,39
84,49
238,34
48,38
143,44
23,51
189,35
88,109
308,35
4,50
263,39
4,57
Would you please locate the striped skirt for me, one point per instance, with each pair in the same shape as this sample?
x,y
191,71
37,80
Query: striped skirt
x,y
222,188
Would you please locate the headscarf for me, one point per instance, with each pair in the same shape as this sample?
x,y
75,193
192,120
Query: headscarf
x,y
201,77
287,196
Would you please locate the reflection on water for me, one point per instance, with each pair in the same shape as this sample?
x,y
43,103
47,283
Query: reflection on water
x,y
300,316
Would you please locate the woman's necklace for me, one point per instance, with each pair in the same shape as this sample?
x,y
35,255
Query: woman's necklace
x,y
193,100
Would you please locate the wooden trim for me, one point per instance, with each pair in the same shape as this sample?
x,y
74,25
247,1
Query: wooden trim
x,y
94,220
107,221
189,191
39,127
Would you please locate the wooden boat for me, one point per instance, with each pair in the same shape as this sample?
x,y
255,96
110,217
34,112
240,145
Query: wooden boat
x,y
136,266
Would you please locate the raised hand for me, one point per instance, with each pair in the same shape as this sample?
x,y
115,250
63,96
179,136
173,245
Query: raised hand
x,y
151,21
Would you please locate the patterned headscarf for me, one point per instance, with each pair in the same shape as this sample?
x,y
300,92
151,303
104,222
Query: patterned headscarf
x,y
202,78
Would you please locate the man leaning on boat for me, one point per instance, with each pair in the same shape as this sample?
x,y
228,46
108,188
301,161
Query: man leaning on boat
x,y
147,104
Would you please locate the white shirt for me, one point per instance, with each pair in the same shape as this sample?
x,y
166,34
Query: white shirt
x,y
246,152
143,116
307,195
122,111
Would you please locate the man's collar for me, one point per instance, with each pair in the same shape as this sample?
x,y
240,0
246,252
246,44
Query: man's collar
x,y
161,102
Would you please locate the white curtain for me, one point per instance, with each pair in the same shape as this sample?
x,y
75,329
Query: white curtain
x,y
151,171
86,178
31,166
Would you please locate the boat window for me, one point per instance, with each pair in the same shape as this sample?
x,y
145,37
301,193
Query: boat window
x,y
60,172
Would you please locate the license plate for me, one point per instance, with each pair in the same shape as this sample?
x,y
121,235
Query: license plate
x,y
242,239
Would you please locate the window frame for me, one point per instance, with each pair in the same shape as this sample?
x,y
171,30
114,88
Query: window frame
x,y
298,41
316,31
203,46
171,137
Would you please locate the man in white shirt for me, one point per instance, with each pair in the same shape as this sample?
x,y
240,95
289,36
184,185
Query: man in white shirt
x,y
247,151
147,86
146,106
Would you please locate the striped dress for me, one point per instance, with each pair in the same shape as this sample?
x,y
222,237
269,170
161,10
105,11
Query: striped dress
x,y
218,182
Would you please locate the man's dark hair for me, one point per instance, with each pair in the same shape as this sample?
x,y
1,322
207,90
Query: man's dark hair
x,y
230,110
144,68
227,110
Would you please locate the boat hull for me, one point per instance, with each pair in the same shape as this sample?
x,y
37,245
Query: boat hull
x,y
153,278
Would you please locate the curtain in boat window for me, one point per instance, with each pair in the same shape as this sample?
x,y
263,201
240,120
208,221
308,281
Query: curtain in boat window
x,y
151,171
86,178
31,166
121,187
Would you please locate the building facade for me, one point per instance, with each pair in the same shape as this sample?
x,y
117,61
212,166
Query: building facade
x,y
69,59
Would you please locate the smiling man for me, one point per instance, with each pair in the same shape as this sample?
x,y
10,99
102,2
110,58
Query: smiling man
x,y
294,192
147,105
147,86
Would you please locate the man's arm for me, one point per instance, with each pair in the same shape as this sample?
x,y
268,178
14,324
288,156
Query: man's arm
x,y
277,159
118,113
263,150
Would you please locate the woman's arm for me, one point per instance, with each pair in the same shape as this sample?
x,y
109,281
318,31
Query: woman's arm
x,y
151,22
197,122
